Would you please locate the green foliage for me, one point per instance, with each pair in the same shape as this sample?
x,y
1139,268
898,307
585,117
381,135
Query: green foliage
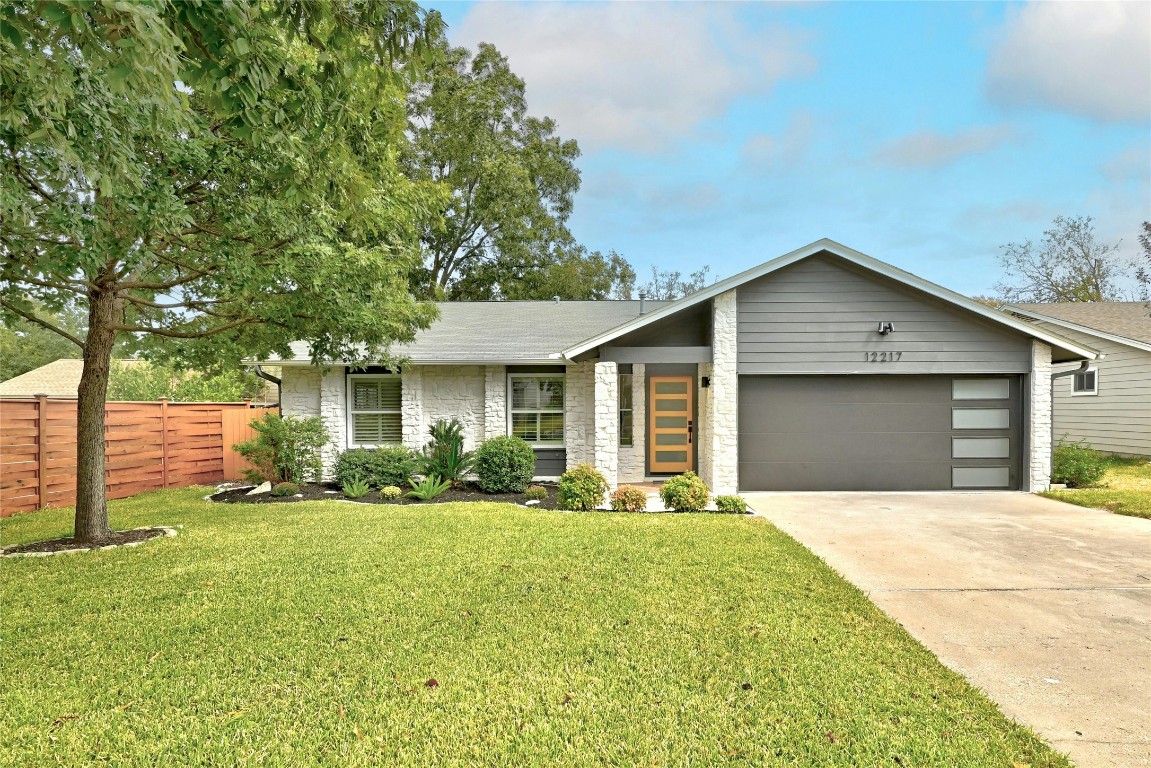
x,y
445,456
285,489
286,449
1077,465
378,467
570,272
25,345
628,498
505,464
734,505
666,285
685,493
356,488
536,493
390,493
512,179
429,488
141,380
581,488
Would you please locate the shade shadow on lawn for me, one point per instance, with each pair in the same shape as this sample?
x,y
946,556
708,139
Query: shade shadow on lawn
x,y
311,633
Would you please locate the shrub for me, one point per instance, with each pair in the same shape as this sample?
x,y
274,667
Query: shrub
x,y
581,488
378,467
356,488
505,465
731,504
445,456
536,493
628,498
685,493
429,488
285,489
1077,465
390,493
285,449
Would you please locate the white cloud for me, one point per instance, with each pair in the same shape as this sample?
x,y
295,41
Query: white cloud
x,y
932,149
1090,59
788,147
1131,165
635,76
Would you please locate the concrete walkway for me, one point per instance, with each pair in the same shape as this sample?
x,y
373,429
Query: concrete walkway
x,y
1043,605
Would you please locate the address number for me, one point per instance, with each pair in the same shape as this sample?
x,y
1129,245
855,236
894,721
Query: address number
x,y
881,357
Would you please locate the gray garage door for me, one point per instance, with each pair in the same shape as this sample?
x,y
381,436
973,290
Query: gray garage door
x,y
879,433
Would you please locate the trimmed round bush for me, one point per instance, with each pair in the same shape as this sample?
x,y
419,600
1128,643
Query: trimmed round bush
x,y
685,493
536,493
581,488
1077,465
505,464
285,489
628,498
733,505
380,467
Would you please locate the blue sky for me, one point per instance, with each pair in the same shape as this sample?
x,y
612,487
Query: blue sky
x,y
923,134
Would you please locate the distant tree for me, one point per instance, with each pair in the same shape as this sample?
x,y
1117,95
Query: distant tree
x,y
1069,264
142,380
571,272
1143,268
218,174
25,345
511,178
666,285
994,302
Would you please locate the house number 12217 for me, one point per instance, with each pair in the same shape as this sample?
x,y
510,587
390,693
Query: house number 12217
x,y
881,357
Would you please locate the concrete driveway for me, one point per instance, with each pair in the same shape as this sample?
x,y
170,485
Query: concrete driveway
x,y
1043,605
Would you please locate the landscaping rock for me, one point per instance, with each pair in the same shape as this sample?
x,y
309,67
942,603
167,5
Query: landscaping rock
x,y
261,488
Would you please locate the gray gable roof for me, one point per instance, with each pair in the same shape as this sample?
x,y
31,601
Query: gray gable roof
x,y
509,331
1129,319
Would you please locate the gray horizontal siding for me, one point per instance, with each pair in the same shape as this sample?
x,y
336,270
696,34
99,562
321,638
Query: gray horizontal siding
x,y
820,316
550,462
1118,419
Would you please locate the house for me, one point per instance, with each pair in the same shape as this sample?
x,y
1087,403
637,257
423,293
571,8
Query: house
x,y
823,369
1108,405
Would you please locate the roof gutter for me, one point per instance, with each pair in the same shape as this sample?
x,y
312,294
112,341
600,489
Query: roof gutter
x,y
260,372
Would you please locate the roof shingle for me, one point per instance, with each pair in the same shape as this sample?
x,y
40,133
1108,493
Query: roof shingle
x,y
1129,319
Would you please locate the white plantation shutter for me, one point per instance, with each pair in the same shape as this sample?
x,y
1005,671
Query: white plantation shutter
x,y
374,410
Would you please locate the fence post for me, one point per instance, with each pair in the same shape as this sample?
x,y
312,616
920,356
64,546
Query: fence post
x,y
164,437
42,450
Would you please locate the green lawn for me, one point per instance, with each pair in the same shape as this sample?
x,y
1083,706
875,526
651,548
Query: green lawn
x,y
307,634
1125,489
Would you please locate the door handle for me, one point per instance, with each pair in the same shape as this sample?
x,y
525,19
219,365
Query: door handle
x,y
689,431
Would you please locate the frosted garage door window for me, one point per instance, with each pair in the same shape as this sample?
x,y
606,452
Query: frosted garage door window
x,y
980,389
980,447
980,418
980,477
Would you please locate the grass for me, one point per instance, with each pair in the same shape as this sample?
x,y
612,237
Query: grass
x,y
309,634
1124,490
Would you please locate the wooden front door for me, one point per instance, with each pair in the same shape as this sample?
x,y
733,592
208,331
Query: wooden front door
x,y
670,438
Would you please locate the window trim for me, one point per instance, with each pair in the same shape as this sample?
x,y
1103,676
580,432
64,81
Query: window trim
x,y
621,410
562,410
352,412
1094,392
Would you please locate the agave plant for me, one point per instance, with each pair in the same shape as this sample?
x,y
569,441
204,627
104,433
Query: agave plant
x,y
429,488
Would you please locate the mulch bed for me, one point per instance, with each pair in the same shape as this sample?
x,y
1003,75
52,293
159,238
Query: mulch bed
x,y
117,539
330,492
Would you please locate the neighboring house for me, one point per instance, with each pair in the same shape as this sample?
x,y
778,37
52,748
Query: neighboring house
x,y
823,369
1108,406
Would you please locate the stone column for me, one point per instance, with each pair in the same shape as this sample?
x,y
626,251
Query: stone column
x,y
1039,432
579,403
412,407
722,414
334,412
605,457
495,401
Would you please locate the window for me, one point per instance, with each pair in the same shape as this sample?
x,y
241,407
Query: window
x,y
536,409
1086,383
374,411
625,407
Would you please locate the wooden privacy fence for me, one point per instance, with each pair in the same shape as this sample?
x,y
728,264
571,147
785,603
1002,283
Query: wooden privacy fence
x,y
148,446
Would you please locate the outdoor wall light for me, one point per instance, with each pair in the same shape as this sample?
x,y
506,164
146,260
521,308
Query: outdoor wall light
x,y
886,328
705,382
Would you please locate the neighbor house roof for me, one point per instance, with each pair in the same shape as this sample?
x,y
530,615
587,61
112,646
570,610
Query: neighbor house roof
x,y
59,378
848,254
507,332
1127,322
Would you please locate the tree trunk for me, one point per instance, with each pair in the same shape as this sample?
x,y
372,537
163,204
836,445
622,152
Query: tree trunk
x,y
91,491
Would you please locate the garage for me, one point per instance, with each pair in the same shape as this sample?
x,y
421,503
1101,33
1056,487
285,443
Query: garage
x,y
879,433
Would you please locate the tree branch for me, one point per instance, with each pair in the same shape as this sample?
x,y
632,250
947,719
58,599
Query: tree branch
x,y
41,322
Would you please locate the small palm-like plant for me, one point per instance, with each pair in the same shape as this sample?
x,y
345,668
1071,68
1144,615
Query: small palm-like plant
x,y
444,456
429,488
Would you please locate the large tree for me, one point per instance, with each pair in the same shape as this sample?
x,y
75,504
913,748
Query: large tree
x,y
221,175
511,178
1069,264
570,272
667,284
1143,268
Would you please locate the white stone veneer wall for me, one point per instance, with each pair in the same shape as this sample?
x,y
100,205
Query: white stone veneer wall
x,y
412,407
632,466
454,392
579,422
1039,438
495,401
300,391
703,424
722,415
606,457
334,412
